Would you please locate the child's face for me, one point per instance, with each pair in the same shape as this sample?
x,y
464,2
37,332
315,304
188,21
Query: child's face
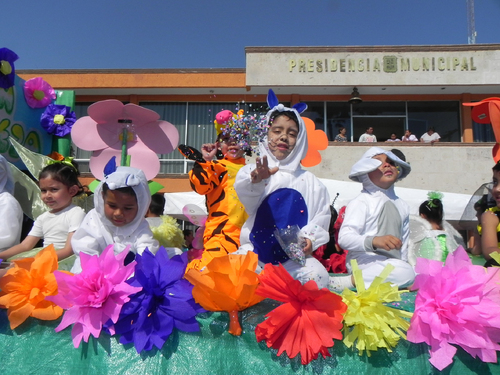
x,y
496,187
386,175
120,208
282,137
55,194
231,149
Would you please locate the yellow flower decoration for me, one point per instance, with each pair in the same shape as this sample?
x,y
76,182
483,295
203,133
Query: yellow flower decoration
x,y
496,255
369,323
168,233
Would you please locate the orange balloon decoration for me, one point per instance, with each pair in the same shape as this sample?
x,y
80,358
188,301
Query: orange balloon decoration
x,y
316,140
227,283
25,286
487,111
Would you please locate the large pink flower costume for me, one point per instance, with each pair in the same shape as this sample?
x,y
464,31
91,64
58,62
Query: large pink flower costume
x,y
102,132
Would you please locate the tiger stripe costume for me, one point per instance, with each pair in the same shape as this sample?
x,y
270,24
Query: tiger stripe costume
x,y
226,214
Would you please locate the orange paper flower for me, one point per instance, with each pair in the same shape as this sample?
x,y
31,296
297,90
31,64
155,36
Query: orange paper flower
x,y
25,286
316,140
227,283
306,323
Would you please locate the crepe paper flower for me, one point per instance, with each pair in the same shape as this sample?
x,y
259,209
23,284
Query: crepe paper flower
x,y
168,233
487,111
102,132
58,119
495,255
306,323
7,69
27,286
369,323
164,303
95,295
38,93
227,283
316,140
457,303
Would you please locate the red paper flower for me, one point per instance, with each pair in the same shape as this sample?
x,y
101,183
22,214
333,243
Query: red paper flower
x,y
306,323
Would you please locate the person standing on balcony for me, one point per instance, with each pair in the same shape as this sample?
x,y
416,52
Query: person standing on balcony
x,y
368,136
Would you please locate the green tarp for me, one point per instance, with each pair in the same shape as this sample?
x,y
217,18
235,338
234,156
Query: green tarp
x,y
35,348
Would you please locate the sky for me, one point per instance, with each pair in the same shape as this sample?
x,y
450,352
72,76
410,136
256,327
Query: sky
x,y
164,34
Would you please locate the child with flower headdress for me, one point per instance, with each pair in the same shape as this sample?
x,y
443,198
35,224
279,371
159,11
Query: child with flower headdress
x,y
213,176
375,230
431,236
278,194
121,201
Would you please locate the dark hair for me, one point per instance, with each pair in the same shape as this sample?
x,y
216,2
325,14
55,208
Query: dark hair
x,y
289,114
64,173
496,167
157,204
433,210
399,154
431,128
341,128
125,190
187,232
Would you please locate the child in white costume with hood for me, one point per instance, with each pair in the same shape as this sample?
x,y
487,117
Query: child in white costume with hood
x,y
375,229
121,201
10,209
277,192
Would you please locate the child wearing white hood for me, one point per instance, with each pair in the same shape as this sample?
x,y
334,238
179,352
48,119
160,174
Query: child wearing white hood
x,y
278,193
121,201
375,229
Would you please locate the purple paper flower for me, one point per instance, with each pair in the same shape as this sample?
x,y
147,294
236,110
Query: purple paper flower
x,y
164,303
94,296
38,93
58,120
7,70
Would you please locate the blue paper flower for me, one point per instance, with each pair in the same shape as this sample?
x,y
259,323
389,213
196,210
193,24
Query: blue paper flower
x,y
165,302
58,119
7,70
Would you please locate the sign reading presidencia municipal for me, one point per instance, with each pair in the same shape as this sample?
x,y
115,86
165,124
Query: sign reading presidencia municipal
x,y
430,65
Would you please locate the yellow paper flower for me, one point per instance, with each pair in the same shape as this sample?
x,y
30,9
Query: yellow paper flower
x,y
168,234
496,255
368,323
25,286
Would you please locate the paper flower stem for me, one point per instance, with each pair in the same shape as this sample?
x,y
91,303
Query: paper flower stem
x,y
124,148
234,323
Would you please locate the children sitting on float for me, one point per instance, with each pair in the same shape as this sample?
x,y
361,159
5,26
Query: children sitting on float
x,y
278,193
121,201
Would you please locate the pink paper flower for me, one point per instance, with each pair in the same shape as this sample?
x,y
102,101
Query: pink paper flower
x,y
457,303
94,296
38,93
102,133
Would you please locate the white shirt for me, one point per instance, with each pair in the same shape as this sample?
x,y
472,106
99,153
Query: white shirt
x,y
429,138
54,227
367,138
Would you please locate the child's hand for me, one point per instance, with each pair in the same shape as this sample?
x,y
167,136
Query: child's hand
x,y
387,243
308,249
262,171
209,150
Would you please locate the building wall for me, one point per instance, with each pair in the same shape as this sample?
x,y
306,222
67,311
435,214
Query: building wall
x,y
452,167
